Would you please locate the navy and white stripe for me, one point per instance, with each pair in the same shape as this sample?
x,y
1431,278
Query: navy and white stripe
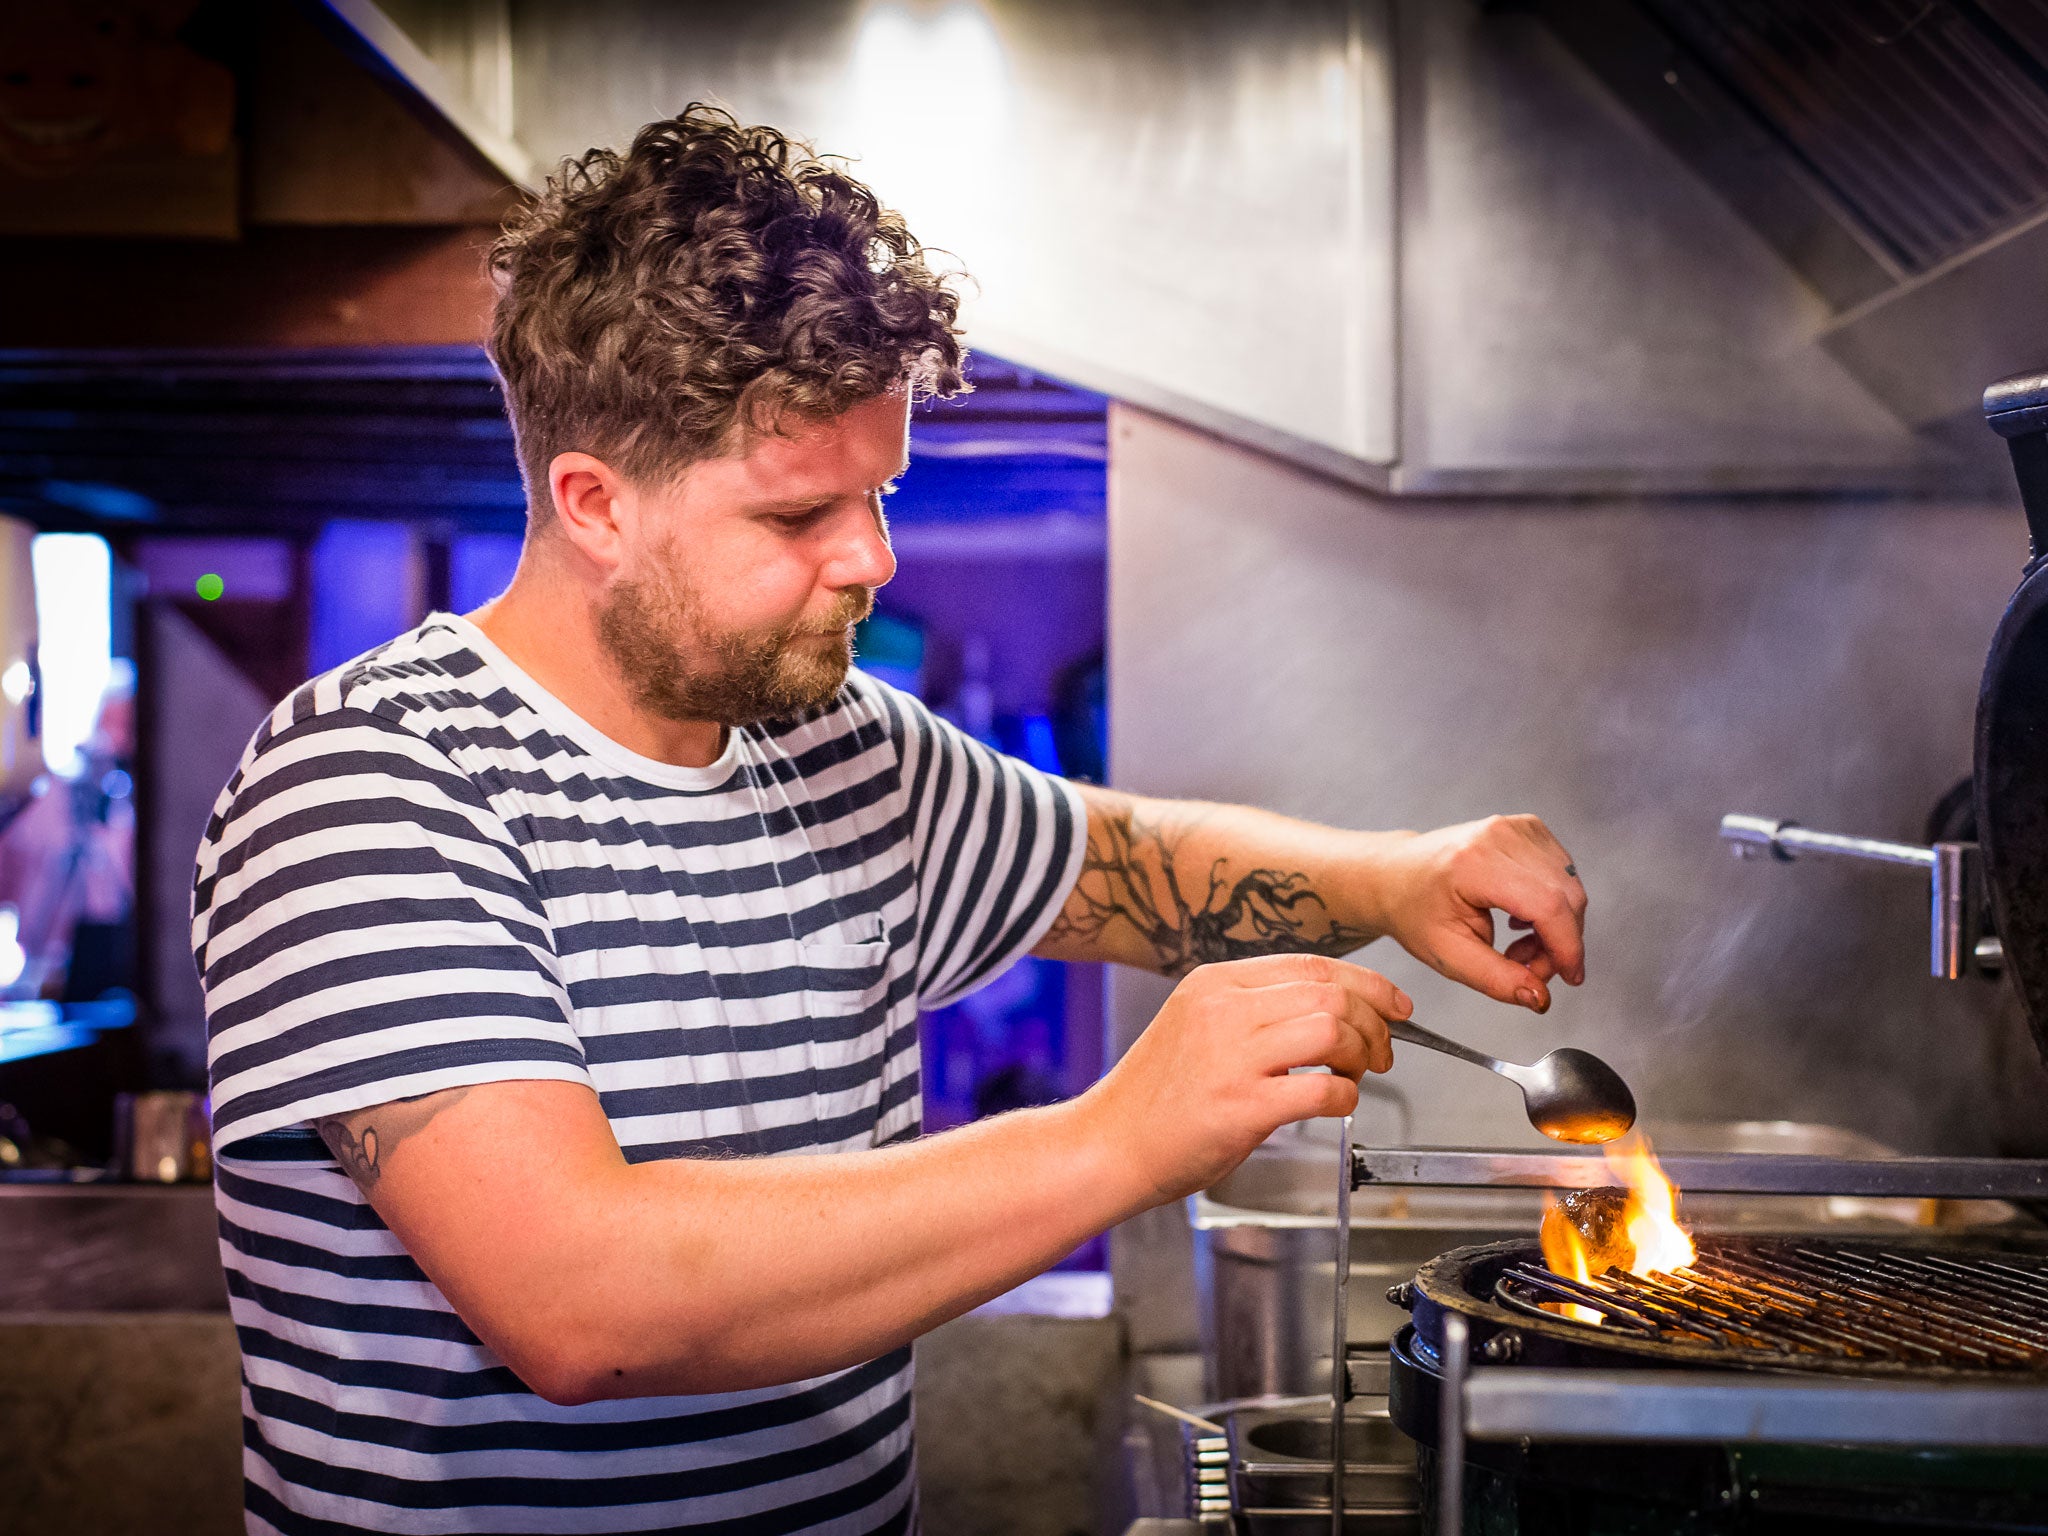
x,y
427,872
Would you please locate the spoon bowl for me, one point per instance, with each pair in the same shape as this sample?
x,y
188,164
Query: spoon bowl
x,y
1571,1095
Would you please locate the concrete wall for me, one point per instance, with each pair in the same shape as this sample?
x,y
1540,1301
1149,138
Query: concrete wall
x,y
1629,671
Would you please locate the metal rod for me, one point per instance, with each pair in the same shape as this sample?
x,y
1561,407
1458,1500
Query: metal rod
x,y
1787,840
1745,1406
1340,1343
1195,1420
1450,1427
1725,1173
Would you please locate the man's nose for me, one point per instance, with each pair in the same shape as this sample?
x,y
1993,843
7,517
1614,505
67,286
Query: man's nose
x,y
865,560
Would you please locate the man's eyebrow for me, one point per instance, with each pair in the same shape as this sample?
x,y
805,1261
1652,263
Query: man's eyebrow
x,y
788,504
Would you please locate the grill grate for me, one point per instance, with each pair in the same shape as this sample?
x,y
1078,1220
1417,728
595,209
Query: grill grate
x,y
1798,1298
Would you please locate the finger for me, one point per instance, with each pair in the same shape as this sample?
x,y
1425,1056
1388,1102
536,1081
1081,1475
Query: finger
x,y
1347,990
1316,1040
1277,969
1310,1096
1361,1009
1529,951
1483,968
1554,908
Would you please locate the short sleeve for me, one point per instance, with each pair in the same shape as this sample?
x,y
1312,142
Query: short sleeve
x,y
366,930
997,846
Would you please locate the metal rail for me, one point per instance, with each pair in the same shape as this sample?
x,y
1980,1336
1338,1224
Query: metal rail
x,y
1727,1173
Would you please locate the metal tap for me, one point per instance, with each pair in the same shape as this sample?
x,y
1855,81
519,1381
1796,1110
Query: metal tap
x,y
1958,946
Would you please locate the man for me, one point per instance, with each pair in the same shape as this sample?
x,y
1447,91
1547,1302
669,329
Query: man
x,y
527,935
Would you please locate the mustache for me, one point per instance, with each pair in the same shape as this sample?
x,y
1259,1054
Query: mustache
x,y
855,604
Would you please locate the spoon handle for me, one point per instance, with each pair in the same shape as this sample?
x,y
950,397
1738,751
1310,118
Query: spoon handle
x,y
1415,1034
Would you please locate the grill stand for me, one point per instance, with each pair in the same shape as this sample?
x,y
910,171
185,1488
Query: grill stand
x,y
1493,1403
1698,1406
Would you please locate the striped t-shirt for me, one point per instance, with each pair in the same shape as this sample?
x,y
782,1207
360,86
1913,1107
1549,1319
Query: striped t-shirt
x,y
428,872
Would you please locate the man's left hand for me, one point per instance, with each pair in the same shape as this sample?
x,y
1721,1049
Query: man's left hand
x,y
1438,892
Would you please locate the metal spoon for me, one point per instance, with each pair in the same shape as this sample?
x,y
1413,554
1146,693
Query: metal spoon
x,y
1571,1095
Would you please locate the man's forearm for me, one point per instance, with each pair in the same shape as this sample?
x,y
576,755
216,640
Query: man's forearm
x,y
1172,884
823,1262
595,1278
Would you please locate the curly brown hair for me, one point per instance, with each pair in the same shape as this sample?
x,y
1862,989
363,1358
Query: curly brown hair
x,y
654,307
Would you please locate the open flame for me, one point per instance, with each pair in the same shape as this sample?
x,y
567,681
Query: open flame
x,y
1661,1244
1643,1237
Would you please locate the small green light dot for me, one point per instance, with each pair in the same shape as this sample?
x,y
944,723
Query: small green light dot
x,y
210,586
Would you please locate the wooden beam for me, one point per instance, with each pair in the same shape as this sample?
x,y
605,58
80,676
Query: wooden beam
x,y
298,287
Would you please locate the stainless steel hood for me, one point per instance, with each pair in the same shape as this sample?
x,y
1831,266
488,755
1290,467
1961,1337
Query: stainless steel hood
x,y
1424,246
1894,152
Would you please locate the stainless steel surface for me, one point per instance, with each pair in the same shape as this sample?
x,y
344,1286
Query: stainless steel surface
x,y
395,56
1748,1407
1927,347
1263,1265
1450,1444
1501,133
1956,894
1569,1094
109,1248
1340,1325
1281,1466
1919,1178
1406,206
1220,152
1717,988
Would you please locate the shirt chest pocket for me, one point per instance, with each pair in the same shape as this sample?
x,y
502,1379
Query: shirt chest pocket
x,y
846,967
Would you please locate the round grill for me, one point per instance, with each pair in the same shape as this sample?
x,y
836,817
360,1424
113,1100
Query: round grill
x,y
1917,1306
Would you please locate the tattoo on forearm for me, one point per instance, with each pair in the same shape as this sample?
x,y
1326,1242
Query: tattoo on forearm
x,y
1133,874
361,1141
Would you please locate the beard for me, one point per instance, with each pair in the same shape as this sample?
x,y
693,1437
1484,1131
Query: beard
x,y
681,667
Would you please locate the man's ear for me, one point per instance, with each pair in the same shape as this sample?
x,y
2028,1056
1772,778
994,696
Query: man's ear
x,y
592,505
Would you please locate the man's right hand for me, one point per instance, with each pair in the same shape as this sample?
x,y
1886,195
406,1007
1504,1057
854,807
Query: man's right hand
x,y
1212,1076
